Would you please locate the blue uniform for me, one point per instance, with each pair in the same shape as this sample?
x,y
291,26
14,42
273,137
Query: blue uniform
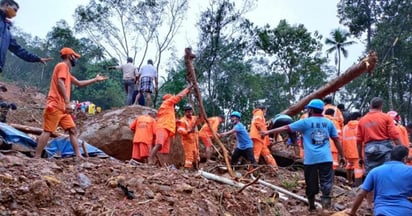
x,y
316,131
392,185
242,136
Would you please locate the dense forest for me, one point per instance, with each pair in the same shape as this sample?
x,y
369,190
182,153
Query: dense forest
x,y
239,64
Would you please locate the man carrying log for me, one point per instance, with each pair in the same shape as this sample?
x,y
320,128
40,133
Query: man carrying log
x,y
244,145
166,126
316,131
59,108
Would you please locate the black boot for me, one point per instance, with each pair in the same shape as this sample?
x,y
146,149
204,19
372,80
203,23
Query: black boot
x,y
312,206
326,202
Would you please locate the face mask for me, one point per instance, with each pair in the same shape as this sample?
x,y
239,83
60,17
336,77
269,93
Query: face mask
x,y
73,61
10,12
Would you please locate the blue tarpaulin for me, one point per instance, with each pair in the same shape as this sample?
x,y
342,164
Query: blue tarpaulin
x,y
58,147
13,136
62,147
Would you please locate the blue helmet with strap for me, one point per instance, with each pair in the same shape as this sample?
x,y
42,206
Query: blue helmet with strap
x,y
236,113
315,104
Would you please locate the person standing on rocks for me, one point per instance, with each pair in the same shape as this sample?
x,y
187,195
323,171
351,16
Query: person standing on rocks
x,y
205,134
148,74
58,107
8,10
187,128
316,131
130,77
166,126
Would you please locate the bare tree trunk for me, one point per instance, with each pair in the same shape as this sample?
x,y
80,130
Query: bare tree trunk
x,y
367,64
191,76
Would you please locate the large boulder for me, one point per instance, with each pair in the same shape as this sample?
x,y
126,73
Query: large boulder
x,y
110,131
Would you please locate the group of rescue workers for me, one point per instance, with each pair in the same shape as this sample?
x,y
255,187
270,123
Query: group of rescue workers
x,y
322,139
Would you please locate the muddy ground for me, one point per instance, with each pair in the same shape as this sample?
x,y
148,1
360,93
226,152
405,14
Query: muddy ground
x,y
90,187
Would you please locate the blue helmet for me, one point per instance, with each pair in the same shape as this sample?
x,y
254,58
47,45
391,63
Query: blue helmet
x,y
315,104
236,113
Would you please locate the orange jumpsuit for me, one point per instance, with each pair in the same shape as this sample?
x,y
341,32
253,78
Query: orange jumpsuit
x,y
405,139
166,121
333,148
186,129
144,132
260,144
205,133
350,149
338,116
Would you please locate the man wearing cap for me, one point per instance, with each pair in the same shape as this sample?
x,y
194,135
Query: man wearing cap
x,y
58,107
148,74
244,144
261,143
8,10
316,131
187,128
166,126
130,76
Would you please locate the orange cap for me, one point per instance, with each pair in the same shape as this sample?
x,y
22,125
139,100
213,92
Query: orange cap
x,y
69,51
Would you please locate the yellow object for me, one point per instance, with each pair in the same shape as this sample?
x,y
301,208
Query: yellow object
x,y
98,109
92,109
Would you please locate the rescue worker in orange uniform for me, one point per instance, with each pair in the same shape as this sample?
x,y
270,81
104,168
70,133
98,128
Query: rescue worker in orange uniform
x,y
261,143
205,134
329,113
338,116
350,151
166,126
144,136
187,128
403,132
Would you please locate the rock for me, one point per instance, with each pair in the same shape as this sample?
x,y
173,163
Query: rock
x,y
149,194
87,165
40,191
6,178
110,132
184,188
83,181
10,160
51,180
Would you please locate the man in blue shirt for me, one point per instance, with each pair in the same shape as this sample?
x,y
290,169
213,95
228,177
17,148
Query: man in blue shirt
x,y
8,10
244,144
316,131
392,186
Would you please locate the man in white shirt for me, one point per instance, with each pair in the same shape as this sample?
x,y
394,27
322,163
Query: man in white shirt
x,y
148,73
130,76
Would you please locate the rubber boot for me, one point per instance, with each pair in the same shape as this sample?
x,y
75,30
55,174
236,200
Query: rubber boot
x,y
349,177
326,202
312,207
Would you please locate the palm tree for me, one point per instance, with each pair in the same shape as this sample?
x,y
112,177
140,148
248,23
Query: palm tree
x,y
338,41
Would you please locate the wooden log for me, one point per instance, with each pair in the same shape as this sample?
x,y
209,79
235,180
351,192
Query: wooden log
x,y
367,64
34,130
191,76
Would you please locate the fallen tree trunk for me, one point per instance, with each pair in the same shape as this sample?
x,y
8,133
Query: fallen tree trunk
x,y
285,192
191,76
367,64
33,130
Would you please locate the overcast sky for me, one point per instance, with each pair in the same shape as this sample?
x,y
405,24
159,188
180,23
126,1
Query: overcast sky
x,y
37,17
